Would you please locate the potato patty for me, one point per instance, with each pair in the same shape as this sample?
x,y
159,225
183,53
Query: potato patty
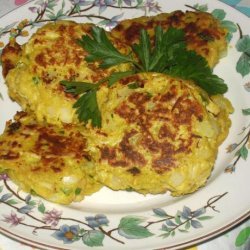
x,y
49,161
203,33
159,133
34,70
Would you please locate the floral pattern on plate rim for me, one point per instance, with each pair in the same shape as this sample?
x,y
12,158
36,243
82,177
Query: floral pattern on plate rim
x,y
95,228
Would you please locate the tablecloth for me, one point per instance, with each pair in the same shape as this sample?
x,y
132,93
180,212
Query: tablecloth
x,y
237,238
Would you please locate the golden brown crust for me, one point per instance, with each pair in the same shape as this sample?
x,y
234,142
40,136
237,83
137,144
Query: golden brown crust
x,y
51,161
174,109
9,57
46,141
51,55
161,135
153,128
203,32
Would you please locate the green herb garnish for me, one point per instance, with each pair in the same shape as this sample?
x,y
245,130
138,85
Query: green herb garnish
x,y
133,85
86,106
101,49
168,55
190,66
36,80
155,58
78,191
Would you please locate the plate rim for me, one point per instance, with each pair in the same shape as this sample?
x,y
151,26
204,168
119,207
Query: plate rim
x,y
188,243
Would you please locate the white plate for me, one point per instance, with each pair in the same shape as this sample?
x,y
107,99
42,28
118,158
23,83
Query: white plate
x,y
129,220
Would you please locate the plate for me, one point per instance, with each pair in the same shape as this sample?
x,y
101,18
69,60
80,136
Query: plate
x,y
126,220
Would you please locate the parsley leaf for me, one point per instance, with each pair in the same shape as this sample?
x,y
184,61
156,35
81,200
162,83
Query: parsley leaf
x,y
165,45
86,106
170,56
101,49
78,87
152,58
133,85
188,65
116,76
143,50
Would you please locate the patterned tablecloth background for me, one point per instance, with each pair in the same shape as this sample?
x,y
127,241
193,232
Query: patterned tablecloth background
x,y
236,239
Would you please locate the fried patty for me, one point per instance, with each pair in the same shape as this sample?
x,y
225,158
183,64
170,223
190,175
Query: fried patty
x,y
34,70
49,161
158,133
203,32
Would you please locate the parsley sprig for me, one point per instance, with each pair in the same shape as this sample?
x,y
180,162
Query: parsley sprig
x,y
168,55
86,106
100,48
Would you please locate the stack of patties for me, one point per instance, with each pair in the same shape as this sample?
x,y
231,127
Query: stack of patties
x,y
158,133
43,150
